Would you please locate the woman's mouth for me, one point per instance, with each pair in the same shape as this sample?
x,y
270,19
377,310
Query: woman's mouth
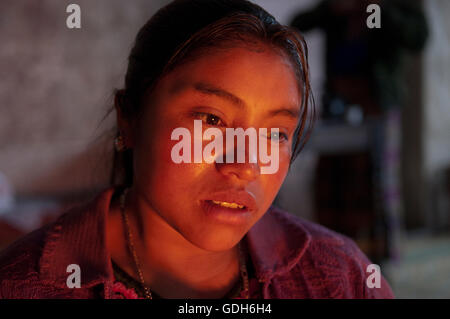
x,y
230,207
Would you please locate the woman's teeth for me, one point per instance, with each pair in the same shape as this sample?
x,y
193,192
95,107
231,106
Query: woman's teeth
x,y
228,205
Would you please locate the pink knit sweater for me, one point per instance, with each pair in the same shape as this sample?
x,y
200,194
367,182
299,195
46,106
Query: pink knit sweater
x,y
292,258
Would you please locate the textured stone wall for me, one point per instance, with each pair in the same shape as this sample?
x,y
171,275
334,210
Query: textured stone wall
x,y
56,85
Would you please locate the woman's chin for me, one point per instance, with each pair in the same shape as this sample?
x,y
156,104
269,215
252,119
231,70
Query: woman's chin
x,y
214,242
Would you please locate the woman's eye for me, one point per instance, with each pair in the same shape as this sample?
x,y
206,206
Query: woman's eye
x,y
210,119
278,137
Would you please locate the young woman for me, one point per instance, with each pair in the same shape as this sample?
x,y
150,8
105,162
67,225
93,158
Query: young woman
x,y
203,228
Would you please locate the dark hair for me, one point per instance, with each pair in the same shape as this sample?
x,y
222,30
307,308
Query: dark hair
x,y
186,28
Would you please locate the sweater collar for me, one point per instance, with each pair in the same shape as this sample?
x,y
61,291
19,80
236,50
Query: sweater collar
x,y
276,243
65,244
270,255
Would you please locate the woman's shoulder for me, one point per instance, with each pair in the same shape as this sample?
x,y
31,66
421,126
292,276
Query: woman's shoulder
x,y
38,260
23,254
19,262
316,234
319,242
331,263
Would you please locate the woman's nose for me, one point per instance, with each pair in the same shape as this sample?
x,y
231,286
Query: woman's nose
x,y
248,170
243,171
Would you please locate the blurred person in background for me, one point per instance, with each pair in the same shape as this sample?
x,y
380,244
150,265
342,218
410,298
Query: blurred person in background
x,y
364,69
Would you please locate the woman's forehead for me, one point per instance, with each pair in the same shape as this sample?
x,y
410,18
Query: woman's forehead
x,y
237,74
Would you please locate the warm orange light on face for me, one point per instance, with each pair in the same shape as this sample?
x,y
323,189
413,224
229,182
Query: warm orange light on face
x,y
240,89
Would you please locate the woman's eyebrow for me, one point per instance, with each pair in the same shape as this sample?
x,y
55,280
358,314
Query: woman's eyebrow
x,y
290,112
209,89
212,90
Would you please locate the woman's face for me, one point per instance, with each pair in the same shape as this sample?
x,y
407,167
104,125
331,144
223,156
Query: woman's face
x,y
234,88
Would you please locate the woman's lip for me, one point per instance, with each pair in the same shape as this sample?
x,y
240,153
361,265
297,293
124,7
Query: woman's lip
x,y
234,216
242,198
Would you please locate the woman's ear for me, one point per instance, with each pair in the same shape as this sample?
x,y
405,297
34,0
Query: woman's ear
x,y
124,122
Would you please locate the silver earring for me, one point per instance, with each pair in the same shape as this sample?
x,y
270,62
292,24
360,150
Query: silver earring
x,y
119,143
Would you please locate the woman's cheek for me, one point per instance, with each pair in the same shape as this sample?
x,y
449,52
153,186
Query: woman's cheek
x,y
277,179
272,182
152,157
284,161
160,145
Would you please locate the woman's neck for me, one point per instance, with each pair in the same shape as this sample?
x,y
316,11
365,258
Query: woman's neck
x,y
171,266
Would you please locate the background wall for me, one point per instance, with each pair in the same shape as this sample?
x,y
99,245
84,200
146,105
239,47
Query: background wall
x,y
436,121
437,87
56,87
